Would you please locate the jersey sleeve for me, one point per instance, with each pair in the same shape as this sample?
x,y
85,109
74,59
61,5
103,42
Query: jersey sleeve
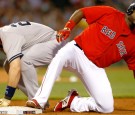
x,y
131,63
92,14
12,44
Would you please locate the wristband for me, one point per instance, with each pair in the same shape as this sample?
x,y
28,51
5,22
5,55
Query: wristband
x,y
70,24
9,92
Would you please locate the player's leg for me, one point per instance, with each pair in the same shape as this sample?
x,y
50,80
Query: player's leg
x,y
29,77
97,85
22,87
100,100
63,58
39,55
42,54
74,61
95,81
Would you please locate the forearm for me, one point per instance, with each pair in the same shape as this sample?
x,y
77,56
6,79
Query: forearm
x,y
14,76
13,79
72,22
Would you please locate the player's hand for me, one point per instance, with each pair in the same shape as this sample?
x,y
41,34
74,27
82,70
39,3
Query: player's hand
x,y
4,102
62,34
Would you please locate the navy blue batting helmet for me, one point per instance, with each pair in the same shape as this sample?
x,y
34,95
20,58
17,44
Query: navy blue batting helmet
x,y
130,9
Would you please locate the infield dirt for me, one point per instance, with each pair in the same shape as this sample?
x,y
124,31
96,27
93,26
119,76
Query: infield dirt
x,y
122,106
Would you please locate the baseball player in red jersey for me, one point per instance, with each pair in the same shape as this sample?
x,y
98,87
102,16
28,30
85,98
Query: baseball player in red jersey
x,y
27,45
109,38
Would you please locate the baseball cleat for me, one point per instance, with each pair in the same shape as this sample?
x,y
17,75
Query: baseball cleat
x,y
34,104
66,102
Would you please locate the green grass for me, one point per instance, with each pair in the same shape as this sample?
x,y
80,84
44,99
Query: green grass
x,y
121,79
60,89
122,82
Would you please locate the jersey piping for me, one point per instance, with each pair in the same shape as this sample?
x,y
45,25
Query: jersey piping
x,y
16,56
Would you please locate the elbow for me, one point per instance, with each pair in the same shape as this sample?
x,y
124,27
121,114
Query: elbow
x,y
81,13
77,16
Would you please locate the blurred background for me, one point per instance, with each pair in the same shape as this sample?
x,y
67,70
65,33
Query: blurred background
x,y
53,13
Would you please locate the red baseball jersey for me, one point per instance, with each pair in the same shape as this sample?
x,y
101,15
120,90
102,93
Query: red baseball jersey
x,y
107,39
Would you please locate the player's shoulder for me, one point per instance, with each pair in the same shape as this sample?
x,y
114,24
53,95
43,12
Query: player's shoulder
x,y
36,24
40,25
107,7
101,8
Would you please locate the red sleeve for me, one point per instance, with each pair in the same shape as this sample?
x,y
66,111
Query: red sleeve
x,y
130,62
92,14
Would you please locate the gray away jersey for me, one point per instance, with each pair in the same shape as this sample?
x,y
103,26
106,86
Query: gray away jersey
x,y
20,36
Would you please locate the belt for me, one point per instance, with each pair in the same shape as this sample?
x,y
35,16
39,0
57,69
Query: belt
x,y
78,46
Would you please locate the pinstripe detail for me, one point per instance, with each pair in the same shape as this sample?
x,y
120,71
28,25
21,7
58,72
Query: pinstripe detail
x,y
42,83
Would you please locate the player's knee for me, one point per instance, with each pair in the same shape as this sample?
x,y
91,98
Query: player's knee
x,y
106,108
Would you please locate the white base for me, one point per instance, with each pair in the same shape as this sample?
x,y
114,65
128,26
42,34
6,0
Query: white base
x,y
19,110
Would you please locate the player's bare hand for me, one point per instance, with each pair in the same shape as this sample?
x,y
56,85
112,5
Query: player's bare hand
x,y
4,102
62,35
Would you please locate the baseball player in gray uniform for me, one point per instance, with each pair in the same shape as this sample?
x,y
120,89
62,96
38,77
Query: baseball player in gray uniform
x,y
27,45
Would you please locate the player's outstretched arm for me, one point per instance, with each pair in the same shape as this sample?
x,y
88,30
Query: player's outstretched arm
x,y
74,19
13,79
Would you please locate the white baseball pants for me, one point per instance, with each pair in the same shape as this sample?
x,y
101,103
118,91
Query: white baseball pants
x,y
94,79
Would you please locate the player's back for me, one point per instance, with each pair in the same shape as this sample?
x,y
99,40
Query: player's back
x,y
25,28
31,32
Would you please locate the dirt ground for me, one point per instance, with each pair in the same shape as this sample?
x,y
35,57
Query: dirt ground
x,y
123,106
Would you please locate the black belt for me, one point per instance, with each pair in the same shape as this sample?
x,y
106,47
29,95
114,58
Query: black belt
x,y
78,46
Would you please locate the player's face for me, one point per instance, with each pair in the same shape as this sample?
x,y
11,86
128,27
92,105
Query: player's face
x,y
131,19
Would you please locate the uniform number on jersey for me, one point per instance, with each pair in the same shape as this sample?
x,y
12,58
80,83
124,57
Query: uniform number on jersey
x,y
22,23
